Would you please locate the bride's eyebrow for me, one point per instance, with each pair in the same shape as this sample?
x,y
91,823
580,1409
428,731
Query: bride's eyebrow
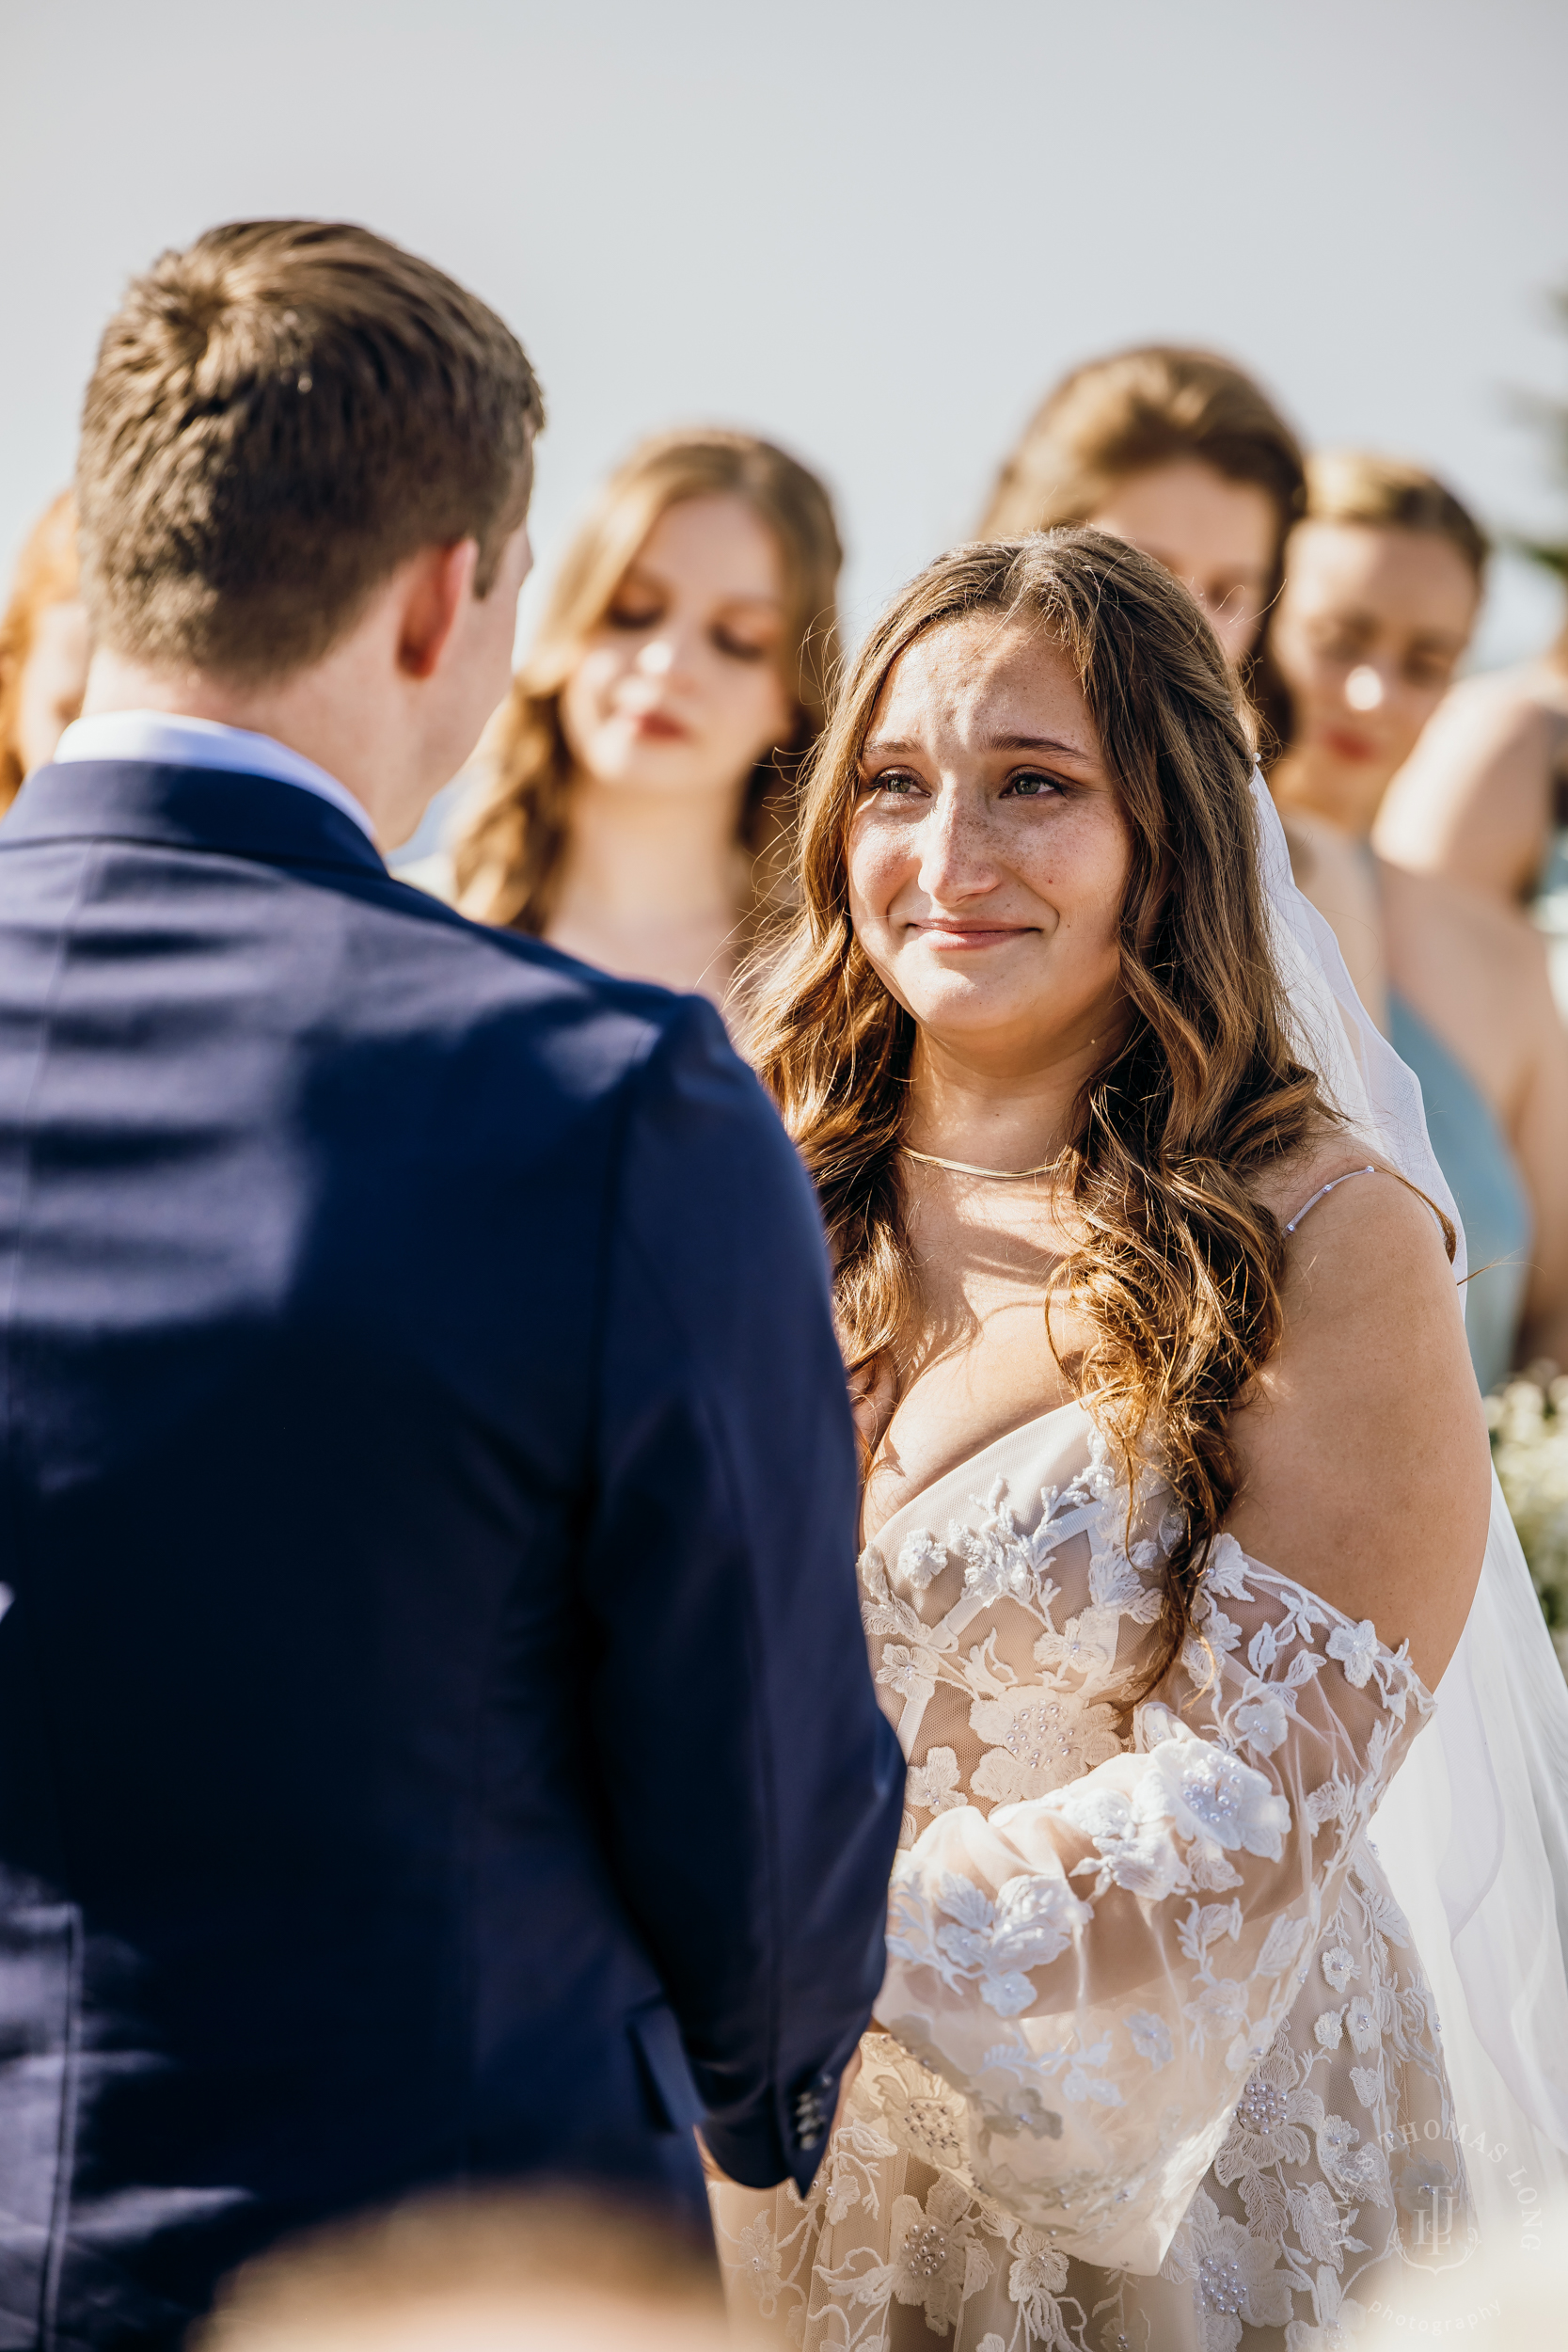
x,y
1039,743
895,747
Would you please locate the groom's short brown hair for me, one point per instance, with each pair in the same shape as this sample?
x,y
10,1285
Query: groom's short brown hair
x,y
279,416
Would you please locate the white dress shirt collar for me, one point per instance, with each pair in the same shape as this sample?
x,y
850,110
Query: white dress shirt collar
x,y
169,740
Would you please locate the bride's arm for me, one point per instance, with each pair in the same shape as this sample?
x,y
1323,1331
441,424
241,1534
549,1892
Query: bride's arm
x,y
1125,1948
1366,1473
1098,1970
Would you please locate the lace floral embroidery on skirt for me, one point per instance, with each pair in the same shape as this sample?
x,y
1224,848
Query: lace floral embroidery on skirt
x,y
1161,2068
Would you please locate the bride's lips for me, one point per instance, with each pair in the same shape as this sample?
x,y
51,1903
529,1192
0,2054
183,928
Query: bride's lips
x,y
964,937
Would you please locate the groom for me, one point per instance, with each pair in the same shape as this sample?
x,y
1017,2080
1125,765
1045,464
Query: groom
x,y
435,1738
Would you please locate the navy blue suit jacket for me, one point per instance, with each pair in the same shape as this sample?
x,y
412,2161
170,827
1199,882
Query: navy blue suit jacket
x,y
435,1735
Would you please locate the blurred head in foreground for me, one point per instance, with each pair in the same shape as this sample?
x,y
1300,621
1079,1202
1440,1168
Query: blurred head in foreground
x,y
542,2271
1181,454
44,648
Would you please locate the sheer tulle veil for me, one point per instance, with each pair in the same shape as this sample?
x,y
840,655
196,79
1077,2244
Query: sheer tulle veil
x,y
1473,1832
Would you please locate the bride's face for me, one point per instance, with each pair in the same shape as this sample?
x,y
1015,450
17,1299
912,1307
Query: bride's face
x,y
988,854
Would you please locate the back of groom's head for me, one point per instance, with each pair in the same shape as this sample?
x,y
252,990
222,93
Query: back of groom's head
x,y
278,418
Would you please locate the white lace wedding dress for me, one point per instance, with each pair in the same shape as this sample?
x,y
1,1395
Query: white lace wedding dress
x,y
1161,2067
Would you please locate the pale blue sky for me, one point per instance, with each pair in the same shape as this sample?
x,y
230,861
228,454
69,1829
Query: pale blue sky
x,y
876,231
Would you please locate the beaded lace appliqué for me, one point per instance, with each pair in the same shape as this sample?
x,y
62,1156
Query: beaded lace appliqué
x,y
1244,2101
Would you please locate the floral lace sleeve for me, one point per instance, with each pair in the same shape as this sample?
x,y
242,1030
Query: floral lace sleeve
x,y
1099,1962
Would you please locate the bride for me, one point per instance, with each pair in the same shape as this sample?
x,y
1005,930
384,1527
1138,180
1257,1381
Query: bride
x,y
1159,1573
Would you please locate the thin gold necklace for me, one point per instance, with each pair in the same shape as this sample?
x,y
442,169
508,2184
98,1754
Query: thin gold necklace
x,y
996,1175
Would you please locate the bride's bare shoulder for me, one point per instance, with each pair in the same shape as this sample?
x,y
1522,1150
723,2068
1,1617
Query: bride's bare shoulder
x,y
1363,1448
1366,1270
1286,1185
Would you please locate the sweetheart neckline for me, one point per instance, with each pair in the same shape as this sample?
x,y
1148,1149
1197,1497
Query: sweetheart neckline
x,y
1036,1420
1076,1404
1071,1403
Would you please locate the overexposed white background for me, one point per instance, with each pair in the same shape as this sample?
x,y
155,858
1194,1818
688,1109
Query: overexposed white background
x,y
876,231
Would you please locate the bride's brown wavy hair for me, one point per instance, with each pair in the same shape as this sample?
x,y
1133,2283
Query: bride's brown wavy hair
x,y
1176,1268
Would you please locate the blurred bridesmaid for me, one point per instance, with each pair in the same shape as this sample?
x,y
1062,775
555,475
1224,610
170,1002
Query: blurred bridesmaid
x,y
1485,791
1184,455
44,648
1383,582
641,779
1483,797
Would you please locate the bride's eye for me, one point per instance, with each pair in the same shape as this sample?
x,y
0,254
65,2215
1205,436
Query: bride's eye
x,y
1030,785
897,782
629,615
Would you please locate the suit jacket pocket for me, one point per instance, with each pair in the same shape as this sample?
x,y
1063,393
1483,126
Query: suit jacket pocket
x,y
667,2077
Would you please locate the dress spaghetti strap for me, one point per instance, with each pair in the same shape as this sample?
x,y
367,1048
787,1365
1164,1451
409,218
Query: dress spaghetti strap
x,y
1324,1190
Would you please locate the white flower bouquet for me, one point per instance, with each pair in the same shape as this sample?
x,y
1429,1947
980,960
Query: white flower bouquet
x,y
1528,1420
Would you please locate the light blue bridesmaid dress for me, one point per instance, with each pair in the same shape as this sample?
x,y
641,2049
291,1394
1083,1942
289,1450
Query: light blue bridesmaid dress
x,y
1476,1157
